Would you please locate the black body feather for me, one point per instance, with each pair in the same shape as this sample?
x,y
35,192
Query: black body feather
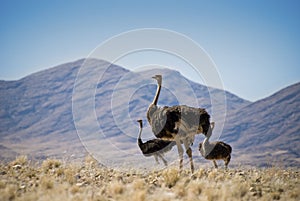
x,y
167,120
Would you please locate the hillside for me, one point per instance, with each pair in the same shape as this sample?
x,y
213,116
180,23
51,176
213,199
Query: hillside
x,y
53,113
268,130
39,113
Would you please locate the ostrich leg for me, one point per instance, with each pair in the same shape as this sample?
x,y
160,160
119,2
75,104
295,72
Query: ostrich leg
x,y
164,160
227,160
215,164
156,159
180,152
189,153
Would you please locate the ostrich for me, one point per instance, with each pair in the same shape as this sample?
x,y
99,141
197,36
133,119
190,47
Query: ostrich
x,y
155,147
177,123
217,150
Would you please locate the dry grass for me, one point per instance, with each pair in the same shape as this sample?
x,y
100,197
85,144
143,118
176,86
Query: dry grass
x,y
53,180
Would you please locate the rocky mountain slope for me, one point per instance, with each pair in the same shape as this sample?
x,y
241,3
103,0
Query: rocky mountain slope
x,y
91,106
268,130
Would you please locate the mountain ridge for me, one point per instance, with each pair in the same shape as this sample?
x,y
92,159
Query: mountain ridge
x,y
39,110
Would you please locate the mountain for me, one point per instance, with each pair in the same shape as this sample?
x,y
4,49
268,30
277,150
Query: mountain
x,y
91,106
267,131
36,111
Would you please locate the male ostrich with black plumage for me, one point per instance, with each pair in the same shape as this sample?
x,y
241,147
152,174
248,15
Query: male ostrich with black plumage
x,y
177,123
154,147
217,150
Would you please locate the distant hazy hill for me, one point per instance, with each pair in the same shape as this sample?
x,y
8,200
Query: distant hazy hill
x,y
36,115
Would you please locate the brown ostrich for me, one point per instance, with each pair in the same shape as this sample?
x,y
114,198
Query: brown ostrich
x,y
154,147
177,123
217,150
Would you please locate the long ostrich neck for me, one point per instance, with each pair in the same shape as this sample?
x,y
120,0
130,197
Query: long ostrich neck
x,y
208,135
140,132
157,94
206,141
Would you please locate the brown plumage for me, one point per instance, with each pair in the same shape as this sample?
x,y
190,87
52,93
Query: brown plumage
x,y
216,150
154,147
177,123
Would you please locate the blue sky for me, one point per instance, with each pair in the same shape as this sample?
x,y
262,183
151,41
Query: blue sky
x,y
255,44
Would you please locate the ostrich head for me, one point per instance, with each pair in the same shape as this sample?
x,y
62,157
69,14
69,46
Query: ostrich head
x,y
141,122
158,78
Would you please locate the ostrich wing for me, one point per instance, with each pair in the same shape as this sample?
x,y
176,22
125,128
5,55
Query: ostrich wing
x,y
218,150
168,120
225,146
156,145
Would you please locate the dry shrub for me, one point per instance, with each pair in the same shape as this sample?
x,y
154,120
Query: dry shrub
x,y
212,194
236,190
28,197
90,161
138,184
98,197
139,195
50,164
60,171
116,188
180,189
9,193
2,184
213,174
47,182
20,160
195,187
200,173
74,189
170,176
276,196
70,175
295,194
